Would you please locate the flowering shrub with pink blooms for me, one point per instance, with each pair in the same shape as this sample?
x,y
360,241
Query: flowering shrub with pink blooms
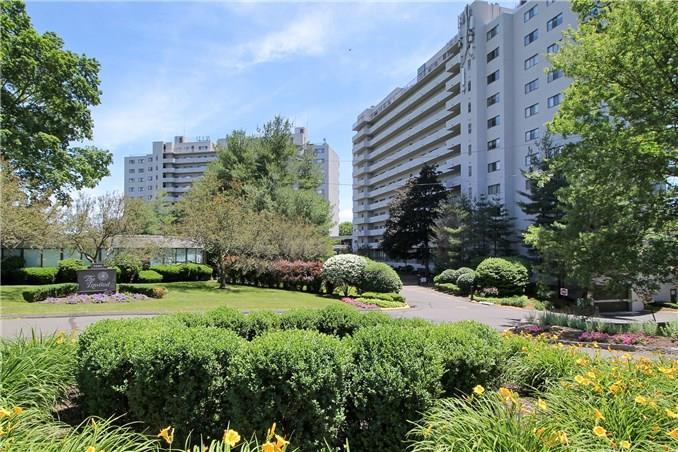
x,y
620,338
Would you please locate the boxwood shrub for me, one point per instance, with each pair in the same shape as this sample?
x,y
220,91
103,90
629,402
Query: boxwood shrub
x,y
297,378
9,269
450,276
38,275
149,276
54,290
179,379
466,282
153,292
396,375
380,277
509,277
183,272
384,296
67,270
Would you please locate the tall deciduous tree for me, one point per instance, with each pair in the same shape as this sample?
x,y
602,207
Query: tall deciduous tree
x,y
47,93
412,216
24,222
92,223
268,172
620,210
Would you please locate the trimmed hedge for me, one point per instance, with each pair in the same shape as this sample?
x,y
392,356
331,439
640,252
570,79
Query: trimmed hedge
x,y
450,276
67,270
396,375
516,300
379,277
153,292
38,275
186,367
448,288
44,292
509,277
9,269
149,276
299,379
384,296
381,303
183,272
467,282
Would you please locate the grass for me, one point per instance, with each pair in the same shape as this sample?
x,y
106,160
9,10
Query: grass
x,y
181,297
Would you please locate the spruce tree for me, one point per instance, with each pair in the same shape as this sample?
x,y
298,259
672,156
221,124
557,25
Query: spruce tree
x,y
412,217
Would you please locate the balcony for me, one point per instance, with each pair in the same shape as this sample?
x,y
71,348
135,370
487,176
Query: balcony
x,y
378,218
454,106
363,132
453,145
453,126
451,169
360,170
408,165
360,145
453,86
453,66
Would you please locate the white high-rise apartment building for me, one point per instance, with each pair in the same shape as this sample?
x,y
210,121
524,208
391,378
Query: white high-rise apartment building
x,y
476,109
328,161
171,168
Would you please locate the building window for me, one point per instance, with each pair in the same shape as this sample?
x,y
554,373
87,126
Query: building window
x,y
494,166
150,168
493,99
531,110
532,134
530,13
131,179
132,161
531,86
470,171
493,77
554,101
131,171
495,121
141,188
493,54
493,144
141,179
554,75
469,107
493,189
131,189
553,48
554,22
469,127
141,170
492,32
470,149
469,86
531,37
532,61
150,187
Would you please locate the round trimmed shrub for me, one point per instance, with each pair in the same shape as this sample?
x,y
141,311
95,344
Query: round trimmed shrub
x,y
338,320
471,354
38,275
445,277
344,270
179,379
149,276
380,277
296,378
129,266
396,376
509,277
68,270
466,282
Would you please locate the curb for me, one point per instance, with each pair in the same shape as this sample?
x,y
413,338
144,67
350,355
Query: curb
x,y
68,315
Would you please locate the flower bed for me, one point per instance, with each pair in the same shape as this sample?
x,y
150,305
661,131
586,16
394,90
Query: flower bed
x,y
96,298
358,304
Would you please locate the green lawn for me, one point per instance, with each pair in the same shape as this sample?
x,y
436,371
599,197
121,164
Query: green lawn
x,y
186,296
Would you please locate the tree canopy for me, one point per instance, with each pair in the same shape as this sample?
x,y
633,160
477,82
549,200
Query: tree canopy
x,y
620,205
47,93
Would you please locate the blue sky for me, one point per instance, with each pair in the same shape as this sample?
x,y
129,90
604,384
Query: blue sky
x,y
207,68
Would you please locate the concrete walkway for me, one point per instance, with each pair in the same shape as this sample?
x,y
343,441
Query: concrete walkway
x,y
426,304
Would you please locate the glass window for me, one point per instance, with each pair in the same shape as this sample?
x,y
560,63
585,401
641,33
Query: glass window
x,y
531,86
493,77
32,258
554,75
493,144
493,189
531,37
532,134
554,22
530,13
495,121
50,258
132,162
531,110
531,62
180,255
493,54
492,32
493,99
131,171
494,166
191,254
553,48
554,101
131,189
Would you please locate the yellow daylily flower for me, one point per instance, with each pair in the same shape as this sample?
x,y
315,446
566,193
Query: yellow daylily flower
x,y
91,449
582,361
231,437
541,404
673,433
479,390
507,394
640,400
4,412
538,431
562,438
268,447
599,431
671,414
581,380
280,443
18,410
271,431
167,434
598,415
625,444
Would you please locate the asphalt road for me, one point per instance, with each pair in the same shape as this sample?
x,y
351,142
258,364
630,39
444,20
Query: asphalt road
x,y
426,304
